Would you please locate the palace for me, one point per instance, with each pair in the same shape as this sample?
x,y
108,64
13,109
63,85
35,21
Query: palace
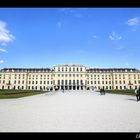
x,y
69,77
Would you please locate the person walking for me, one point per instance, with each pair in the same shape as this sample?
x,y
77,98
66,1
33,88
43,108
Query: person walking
x,y
137,94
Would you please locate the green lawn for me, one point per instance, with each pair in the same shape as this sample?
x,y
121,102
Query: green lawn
x,y
6,94
124,92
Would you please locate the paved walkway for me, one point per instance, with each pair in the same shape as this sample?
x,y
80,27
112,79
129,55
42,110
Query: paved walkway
x,y
73,111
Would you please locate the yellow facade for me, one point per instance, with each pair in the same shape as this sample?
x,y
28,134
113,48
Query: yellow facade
x,y
69,77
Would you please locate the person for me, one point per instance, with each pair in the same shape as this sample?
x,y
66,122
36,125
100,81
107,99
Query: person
x,y
139,93
63,90
103,91
51,89
136,93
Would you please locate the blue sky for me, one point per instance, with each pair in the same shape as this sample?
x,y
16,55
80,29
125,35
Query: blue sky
x,y
95,37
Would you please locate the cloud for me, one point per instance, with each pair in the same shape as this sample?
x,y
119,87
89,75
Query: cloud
x,y
133,22
3,50
95,36
72,12
5,35
1,61
59,24
115,36
120,47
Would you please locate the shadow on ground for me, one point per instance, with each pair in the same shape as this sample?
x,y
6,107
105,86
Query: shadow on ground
x,y
132,99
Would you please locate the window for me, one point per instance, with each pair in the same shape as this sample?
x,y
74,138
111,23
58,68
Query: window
x,y
78,82
106,82
120,82
102,76
62,82
73,69
116,87
102,82
77,69
65,82
94,82
80,69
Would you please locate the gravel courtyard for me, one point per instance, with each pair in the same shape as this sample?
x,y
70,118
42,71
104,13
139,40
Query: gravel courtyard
x,y
72,111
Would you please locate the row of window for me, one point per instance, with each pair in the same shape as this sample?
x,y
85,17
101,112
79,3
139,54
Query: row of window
x,y
69,69
69,81
29,87
30,82
109,82
70,75
23,75
59,82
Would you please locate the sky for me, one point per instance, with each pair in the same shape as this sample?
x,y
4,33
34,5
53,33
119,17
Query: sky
x,y
94,37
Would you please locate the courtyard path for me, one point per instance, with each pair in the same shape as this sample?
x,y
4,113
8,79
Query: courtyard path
x,y
71,111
